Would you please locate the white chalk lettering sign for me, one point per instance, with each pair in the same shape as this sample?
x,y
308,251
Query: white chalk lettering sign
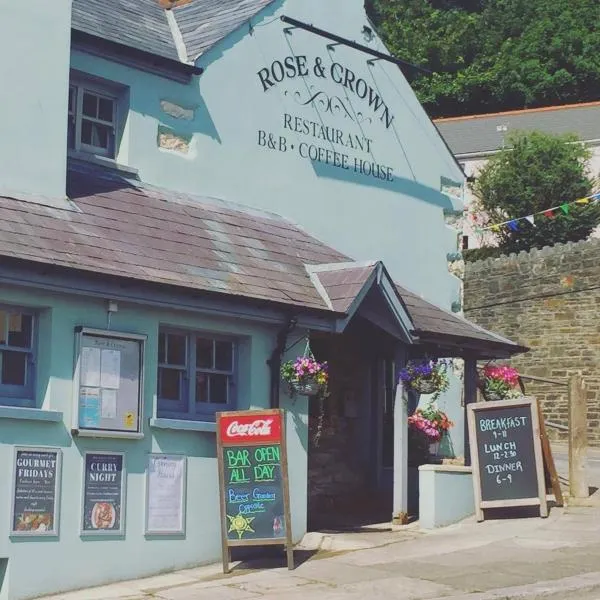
x,y
506,454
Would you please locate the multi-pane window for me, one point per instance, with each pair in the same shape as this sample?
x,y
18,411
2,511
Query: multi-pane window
x,y
16,356
196,374
92,120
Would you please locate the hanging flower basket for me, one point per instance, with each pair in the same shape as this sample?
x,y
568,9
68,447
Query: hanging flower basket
x,y
426,376
490,396
424,386
307,388
305,376
428,427
499,383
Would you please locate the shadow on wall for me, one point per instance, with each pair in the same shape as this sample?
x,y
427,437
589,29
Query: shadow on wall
x,y
398,185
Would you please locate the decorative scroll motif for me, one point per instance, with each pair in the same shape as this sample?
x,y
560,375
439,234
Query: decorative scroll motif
x,y
329,104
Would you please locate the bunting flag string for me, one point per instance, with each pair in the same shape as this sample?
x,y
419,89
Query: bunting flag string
x,y
549,213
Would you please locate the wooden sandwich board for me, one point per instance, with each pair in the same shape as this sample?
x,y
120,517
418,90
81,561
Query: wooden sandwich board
x,y
506,454
253,481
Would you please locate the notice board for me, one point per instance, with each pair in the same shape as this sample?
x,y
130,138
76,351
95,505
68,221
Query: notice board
x,y
253,481
506,454
108,384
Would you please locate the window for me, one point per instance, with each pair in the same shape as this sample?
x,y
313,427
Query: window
x,y
17,357
92,120
196,375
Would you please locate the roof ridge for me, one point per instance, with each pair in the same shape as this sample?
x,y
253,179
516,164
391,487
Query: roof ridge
x,y
177,36
521,111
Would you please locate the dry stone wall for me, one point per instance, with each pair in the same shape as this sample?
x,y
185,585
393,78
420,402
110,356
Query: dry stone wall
x,y
548,300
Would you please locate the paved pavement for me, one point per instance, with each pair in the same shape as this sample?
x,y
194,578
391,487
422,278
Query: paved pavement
x,y
502,559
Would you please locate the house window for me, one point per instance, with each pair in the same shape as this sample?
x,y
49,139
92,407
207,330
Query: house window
x,y
196,375
92,120
17,357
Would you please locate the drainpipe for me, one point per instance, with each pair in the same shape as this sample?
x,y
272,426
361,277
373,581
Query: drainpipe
x,y
275,361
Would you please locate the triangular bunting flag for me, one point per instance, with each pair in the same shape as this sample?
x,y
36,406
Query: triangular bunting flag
x,y
565,208
495,228
596,196
513,226
582,201
530,219
549,213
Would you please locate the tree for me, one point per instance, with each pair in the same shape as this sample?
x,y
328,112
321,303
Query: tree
x,y
538,171
493,55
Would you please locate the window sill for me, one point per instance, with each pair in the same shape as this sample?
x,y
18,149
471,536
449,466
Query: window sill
x,y
102,161
183,425
30,414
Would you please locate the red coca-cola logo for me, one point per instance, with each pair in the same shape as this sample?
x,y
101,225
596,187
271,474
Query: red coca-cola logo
x,y
251,428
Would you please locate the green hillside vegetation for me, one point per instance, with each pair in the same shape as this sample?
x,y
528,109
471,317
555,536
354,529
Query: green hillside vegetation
x,y
494,55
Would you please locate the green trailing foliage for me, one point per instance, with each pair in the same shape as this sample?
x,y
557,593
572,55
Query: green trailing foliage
x,y
536,172
494,55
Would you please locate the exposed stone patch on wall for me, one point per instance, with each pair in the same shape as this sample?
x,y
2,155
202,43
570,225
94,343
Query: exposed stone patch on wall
x,y
177,111
548,300
170,140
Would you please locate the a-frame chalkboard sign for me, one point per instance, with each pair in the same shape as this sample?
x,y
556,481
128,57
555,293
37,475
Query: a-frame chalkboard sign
x,y
253,481
506,455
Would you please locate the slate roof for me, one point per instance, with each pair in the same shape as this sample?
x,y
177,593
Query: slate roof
x,y
118,227
478,133
159,236
203,23
429,322
143,24
433,322
343,285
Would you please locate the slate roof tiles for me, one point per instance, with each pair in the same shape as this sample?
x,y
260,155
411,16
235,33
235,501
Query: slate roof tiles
x,y
120,229
480,133
124,228
143,24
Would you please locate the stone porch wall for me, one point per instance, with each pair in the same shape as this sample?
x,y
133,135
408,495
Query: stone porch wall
x,y
548,300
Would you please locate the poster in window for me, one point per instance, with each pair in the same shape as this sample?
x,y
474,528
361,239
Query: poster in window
x,y
109,375
36,491
165,494
104,493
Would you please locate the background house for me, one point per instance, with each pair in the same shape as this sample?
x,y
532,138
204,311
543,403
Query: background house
x,y
473,139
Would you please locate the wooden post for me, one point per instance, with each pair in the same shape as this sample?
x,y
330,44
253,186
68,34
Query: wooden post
x,y
400,497
549,465
470,396
577,438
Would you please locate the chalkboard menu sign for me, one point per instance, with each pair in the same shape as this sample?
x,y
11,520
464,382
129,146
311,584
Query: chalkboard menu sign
x,y
253,480
506,451
36,491
103,494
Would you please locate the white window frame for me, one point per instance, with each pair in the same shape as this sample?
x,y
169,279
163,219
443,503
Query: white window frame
x,y
77,117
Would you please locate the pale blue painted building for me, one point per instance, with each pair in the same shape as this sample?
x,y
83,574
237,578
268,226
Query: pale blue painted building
x,y
146,154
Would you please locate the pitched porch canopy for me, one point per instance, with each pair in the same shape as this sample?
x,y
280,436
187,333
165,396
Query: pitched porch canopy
x,y
118,229
367,289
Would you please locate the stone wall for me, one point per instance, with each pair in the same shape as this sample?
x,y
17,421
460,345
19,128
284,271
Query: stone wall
x,y
548,300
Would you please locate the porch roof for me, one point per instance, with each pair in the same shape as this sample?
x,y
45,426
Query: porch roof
x,y
115,226
431,328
